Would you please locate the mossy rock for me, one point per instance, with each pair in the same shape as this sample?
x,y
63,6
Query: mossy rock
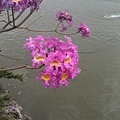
x,y
9,109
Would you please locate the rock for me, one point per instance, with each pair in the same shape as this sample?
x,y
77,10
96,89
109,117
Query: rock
x,y
9,109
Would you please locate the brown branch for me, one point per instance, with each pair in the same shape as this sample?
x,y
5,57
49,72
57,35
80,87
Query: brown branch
x,y
25,28
36,20
56,31
94,51
20,67
57,26
8,23
19,15
31,12
48,31
13,27
8,16
13,17
5,30
3,21
66,33
8,57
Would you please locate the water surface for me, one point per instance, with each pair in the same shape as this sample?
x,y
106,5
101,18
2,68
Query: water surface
x,y
93,95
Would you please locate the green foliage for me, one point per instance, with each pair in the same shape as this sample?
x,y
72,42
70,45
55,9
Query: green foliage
x,y
4,100
4,97
10,75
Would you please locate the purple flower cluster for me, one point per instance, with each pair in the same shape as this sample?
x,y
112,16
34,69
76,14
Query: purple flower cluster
x,y
84,30
64,16
19,5
60,59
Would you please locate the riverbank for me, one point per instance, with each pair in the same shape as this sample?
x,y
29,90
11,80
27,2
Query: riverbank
x,y
9,109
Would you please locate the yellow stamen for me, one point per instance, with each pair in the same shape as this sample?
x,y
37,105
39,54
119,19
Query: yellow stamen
x,y
46,77
55,63
64,76
68,60
40,58
16,1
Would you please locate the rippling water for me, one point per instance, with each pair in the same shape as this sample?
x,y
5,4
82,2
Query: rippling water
x,y
93,95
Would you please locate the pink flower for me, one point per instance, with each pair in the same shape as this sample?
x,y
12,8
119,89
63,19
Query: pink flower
x,y
31,44
64,79
35,43
64,16
45,77
38,58
60,59
20,5
51,42
84,30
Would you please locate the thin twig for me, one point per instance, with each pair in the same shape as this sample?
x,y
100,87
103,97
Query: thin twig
x,y
31,12
35,30
13,27
8,23
3,21
9,57
57,26
13,17
8,16
66,33
36,20
32,30
94,51
19,15
20,67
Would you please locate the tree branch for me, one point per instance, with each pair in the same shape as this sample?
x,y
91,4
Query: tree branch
x,y
13,27
31,12
20,67
8,16
13,17
8,23
36,20
94,51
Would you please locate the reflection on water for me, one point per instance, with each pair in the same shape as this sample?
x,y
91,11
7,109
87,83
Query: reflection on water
x,y
93,95
112,16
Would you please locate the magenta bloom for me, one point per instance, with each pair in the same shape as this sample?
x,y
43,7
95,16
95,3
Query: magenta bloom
x,y
45,77
20,5
31,44
38,58
84,30
51,42
34,43
60,60
64,16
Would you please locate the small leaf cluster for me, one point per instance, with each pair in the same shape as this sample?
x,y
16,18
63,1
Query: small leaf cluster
x,y
10,75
